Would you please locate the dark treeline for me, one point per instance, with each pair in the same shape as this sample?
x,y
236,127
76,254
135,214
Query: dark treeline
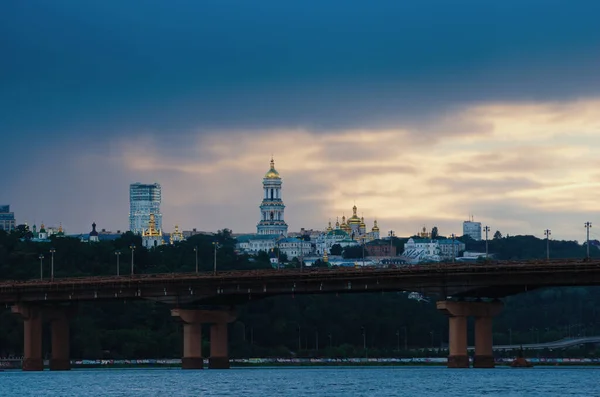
x,y
319,325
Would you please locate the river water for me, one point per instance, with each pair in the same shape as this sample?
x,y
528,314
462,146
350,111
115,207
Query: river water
x,y
313,381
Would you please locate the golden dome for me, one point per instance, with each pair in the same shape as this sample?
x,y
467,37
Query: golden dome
x,y
176,235
344,226
375,227
362,222
272,173
354,220
152,231
177,232
329,228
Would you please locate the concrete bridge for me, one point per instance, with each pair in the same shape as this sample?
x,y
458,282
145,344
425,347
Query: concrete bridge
x,y
466,290
557,344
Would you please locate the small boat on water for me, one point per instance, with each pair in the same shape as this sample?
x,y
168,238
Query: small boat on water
x,y
520,361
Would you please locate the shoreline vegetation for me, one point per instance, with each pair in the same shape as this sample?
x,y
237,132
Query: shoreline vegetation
x,y
285,362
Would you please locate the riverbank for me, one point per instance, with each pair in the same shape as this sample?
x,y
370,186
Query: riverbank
x,y
303,362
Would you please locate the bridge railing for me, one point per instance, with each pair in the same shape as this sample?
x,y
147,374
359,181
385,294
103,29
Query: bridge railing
x,y
486,266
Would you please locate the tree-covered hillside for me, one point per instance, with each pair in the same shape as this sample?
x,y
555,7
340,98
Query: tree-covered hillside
x,y
338,325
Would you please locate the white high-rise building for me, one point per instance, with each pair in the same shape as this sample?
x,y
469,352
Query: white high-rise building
x,y
7,218
144,199
472,229
271,209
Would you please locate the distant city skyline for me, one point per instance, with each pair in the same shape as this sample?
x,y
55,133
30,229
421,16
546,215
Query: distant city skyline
x,y
460,229
417,117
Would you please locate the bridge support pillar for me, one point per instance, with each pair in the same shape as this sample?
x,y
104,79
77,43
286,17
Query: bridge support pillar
x,y
192,336
59,328
458,357
219,356
33,322
32,336
484,313
192,346
457,335
457,338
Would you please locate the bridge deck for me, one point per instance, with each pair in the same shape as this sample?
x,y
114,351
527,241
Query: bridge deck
x,y
490,279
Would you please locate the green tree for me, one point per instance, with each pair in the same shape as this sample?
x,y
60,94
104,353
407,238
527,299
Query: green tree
x,y
283,258
353,252
272,326
336,249
320,263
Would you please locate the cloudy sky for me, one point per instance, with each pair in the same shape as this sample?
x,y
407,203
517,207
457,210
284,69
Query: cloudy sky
x,y
420,112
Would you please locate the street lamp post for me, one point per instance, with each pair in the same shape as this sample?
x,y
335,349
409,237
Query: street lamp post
x,y
363,247
397,340
588,225
391,243
244,332
132,247
547,234
364,334
118,254
453,247
486,229
41,266
215,261
533,339
52,251
196,253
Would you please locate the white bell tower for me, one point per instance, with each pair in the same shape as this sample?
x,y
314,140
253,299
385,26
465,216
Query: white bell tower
x,y
272,221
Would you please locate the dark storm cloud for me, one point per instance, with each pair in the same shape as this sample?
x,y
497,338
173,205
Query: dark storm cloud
x,y
95,95
79,67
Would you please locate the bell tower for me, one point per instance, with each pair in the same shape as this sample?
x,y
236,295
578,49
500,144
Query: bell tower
x,y
272,221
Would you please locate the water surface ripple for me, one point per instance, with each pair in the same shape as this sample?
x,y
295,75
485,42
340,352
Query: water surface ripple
x,y
314,381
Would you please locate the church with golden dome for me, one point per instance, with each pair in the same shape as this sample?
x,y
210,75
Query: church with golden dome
x,y
272,221
356,228
176,236
152,236
352,231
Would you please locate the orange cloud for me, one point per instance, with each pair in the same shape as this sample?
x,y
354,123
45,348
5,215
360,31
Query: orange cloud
x,y
538,157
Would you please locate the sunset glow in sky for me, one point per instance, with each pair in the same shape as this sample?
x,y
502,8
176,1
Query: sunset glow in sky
x,y
421,113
